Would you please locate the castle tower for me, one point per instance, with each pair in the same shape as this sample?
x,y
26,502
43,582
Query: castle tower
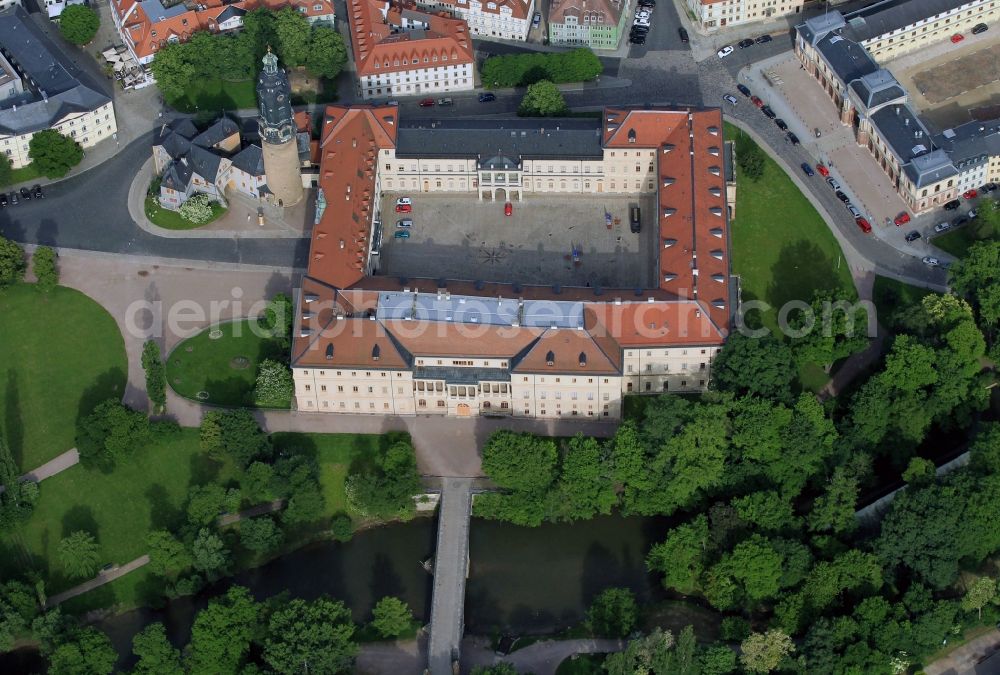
x,y
277,133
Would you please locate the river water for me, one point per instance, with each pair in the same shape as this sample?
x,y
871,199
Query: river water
x,y
522,580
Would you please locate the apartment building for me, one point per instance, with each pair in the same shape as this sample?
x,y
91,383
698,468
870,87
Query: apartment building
x,y
147,25
38,91
598,24
52,7
713,15
399,51
502,19
377,345
925,170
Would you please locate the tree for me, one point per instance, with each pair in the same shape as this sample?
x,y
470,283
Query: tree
x,y
205,503
156,655
196,209
210,554
87,652
327,54
234,433
18,606
173,69
755,366
584,487
156,377
18,498
652,655
613,613
767,510
277,319
110,434
543,99
12,263
318,633
681,557
717,660
919,471
833,511
6,170
749,157
753,566
502,668
981,592
391,617
52,153
520,461
43,263
168,557
79,554
839,329
274,387
260,535
293,32
386,487
78,24
222,633
763,652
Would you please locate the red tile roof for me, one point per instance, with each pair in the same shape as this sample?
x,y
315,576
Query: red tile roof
x,y
570,351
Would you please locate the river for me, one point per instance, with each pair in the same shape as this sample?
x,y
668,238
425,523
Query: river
x,y
522,580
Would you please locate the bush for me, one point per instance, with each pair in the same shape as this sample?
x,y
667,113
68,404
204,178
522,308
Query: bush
x,y
12,263
111,433
341,527
156,378
614,613
78,24
44,264
391,617
749,157
274,386
260,535
197,209
515,70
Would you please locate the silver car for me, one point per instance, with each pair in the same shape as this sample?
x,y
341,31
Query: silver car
x,y
730,99
942,227
930,262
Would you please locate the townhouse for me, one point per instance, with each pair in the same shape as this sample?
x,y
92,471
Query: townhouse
x,y
713,15
501,19
598,24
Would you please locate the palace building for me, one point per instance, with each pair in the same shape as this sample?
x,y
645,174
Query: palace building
x,y
388,346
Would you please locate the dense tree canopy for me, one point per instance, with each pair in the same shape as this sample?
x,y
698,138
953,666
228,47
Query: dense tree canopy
x,y
518,70
385,486
78,24
543,99
317,633
52,153
758,366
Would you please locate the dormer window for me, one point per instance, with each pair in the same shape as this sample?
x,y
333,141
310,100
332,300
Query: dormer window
x,y
329,352
631,135
550,359
376,353
583,360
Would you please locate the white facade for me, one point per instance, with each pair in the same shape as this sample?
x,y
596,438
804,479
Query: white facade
x,y
488,19
53,7
432,80
86,128
926,31
716,14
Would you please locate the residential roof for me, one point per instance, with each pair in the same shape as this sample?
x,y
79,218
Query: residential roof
x,y
177,176
878,88
903,131
250,160
882,18
566,350
58,88
493,141
848,59
971,142
610,11
639,324
441,338
204,162
517,9
219,131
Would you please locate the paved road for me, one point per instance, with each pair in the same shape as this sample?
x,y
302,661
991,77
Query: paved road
x,y
977,657
101,579
451,564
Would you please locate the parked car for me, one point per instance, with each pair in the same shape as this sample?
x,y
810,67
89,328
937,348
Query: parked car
x,y
647,3
762,39
952,205
958,222
508,209
942,227
643,23
13,199
972,214
792,138
536,20
865,226
854,210
823,171
400,201
427,103
405,222
684,35
970,194
639,30
637,39
768,113
780,123
487,97
25,194
842,197
980,28
36,192
901,219
725,51
913,236
832,182
930,261
988,188
642,14
756,101
445,102
743,44
730,99
401,234
957,37
743,89
807,170
4,200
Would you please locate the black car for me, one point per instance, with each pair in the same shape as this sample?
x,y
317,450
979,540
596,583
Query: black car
x,y
647,3
961,220
762,39
13,198
3,200
989,187
768,112
639,30
25,194
913,236
781,124
842,197
792,138
952,205
743,89
637,39
487,97
36,192
683,33
980,28
743,44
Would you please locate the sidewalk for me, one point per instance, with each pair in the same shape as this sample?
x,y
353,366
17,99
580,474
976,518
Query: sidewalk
x,y
58,464
101,579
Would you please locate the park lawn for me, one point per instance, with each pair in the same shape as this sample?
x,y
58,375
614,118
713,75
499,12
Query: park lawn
x,y
781,248
890,296
171,220
216,95
958,241
23,175
145,493
582,664
51,376
201,364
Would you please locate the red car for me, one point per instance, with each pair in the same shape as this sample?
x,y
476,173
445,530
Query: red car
x,y
823,171
957,37
902,219
756,101
404,208
427,103
508,209
863,224
970,194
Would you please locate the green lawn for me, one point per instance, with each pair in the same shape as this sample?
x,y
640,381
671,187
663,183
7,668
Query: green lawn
x,y
958,241
171,220
226,368
582,664
60,355
781,248
22,175
216,95
890,296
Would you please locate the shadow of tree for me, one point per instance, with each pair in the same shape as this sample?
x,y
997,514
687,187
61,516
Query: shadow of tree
x,y
13,426
163,515
79,518
109,384
802,269
385,580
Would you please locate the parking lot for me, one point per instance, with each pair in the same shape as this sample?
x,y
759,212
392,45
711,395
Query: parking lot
x,y
456,236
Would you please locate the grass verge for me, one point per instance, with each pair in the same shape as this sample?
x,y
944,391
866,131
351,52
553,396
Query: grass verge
x,y
172,220
216,95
